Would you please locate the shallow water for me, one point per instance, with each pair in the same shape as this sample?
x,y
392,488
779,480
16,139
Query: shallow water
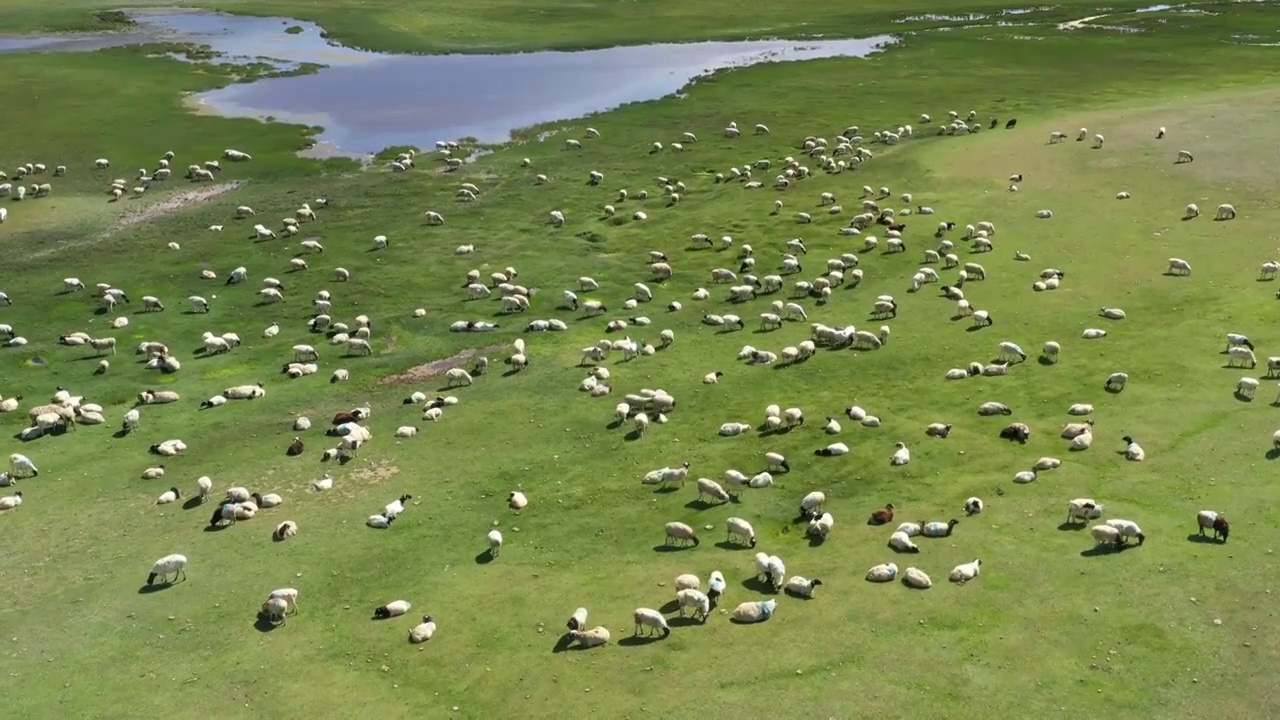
x,y
368,101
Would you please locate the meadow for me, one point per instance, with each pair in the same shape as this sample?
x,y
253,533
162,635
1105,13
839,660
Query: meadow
x,y
1164,630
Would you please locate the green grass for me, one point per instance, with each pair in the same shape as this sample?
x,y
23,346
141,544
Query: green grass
x,y
1040,630
512,25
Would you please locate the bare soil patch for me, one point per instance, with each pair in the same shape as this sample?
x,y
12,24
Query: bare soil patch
x,y
422,373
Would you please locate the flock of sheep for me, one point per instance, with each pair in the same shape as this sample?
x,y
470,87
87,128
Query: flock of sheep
x,y
756,274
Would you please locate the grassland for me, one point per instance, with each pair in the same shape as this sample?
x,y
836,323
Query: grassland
x,y
1041,630
511,25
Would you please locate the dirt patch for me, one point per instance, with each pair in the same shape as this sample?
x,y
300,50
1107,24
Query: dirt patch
x,y
179,201
422,373
376,472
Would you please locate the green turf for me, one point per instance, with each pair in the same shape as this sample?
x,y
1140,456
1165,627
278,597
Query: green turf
x,y
1042,629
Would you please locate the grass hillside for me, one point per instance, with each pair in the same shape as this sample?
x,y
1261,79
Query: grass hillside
x,y
1049,621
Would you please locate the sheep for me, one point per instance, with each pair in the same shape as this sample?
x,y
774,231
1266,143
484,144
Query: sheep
x,y
758,611
821,526
1116,382
1225,212
916,578
1098,140
1083,509
1112,313
21,466
1133,451
1184,156
1105,535
1192,211
170,495
651,620
424,631
741,531
1242,354
1016,431
801,586
938,529
1246,387
994,408
696,599
776,462
938,430
494,538
1046,463
1215,521
680,533
1127,529
901,456
457,376
965,572
244,392
174,564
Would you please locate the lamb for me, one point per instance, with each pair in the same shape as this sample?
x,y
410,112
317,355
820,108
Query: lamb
x,y
680,533
1215,521
1105,535
965,572
651,620
1133,451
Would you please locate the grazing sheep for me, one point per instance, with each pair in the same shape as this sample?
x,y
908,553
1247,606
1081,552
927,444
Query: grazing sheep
x,y
651,620
1105,535
740,530
1117,381
168,565
495,543
1127,529
1178,266
1209,519
1225,212
680,533
1084,509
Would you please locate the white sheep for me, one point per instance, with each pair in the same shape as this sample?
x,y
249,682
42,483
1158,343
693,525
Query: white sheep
x,y
965,572
1225,212
651,620
424,631
1178,266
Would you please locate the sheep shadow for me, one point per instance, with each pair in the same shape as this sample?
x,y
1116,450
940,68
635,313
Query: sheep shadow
x,y
1205,539
1076,449
633,436
511,372
1103,550
263,624
974,328
1045,362
700,504
1185,218
1074,525
217,528
565,644
120,433
485,557
1241,397
755,584
798,596
665,548
1113,390
730,545
148,589
192,503
816,540
666,490
684,621
669,607
1273,454
616,424
639,640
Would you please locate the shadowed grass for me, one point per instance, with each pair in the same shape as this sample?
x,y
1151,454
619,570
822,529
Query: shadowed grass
x,y
1118,625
